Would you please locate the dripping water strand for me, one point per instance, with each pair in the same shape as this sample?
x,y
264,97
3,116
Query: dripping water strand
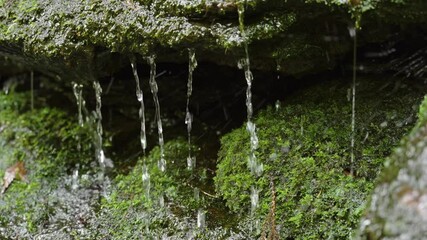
x,y
143,136
255,167
140,98
353,103
100,156
98,117
154,90
192,64
191,161
78,94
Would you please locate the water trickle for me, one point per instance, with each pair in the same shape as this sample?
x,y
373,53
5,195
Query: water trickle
x,y
255,167
277,105
192,64
99,153
154,89
146,180
201,218
140,98
196,194
254,199
161,201
75,178
78,94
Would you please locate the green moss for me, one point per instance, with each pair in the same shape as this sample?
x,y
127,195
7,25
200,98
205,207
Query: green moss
x,y
80,29
176,185
45,140
422,114
305,149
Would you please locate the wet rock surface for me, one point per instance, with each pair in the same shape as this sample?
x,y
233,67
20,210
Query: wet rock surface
x,y
397,208
293,37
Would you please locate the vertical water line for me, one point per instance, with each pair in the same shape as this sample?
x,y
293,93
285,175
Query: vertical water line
x,y
143,135
78,94
140,98
191,160
192,64
154,90
99,152
255,167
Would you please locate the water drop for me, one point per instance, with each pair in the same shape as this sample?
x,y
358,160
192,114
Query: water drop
x,y
201,218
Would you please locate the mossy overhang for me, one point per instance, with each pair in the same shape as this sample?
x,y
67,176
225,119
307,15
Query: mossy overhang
x,y
287,36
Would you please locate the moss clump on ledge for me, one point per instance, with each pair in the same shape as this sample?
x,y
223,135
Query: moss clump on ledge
x,y
305,149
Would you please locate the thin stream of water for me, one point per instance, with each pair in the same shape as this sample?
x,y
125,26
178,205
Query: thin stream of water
x,y
143,136
154,90
78,94
140,98
255,167
98,138
192,64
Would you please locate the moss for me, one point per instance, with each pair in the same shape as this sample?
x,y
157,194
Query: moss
x,y
52,29
144,214
305,149
45,140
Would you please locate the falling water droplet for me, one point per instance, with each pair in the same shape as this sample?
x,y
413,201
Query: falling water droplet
x,y
196,194
75,178
154,90
201,218
161,201
192,64
191,162
140,98
277,105
254,199
146,180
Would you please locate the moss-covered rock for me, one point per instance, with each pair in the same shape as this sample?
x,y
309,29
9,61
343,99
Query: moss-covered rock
x,y
44,139
305,149
396,209
276,30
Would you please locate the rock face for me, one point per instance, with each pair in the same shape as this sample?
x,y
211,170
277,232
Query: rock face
x,y
292,36
397,208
